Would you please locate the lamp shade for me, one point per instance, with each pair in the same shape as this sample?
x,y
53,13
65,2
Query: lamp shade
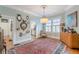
x,y
44,20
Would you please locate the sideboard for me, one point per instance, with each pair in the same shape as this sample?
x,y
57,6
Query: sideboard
x,y
70,39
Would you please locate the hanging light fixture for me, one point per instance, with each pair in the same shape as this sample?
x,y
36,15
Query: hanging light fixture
x,y
44,19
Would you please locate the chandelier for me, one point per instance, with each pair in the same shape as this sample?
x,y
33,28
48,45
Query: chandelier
x,y
44,19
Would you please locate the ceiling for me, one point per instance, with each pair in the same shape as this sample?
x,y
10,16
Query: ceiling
x,y
37,10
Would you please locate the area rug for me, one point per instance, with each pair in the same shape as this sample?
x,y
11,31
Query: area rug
x,y
38,46
59,49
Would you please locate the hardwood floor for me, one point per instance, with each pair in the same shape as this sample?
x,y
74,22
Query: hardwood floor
x,y
71,51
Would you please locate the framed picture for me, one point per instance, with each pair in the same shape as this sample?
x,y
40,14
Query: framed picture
x,y
4,20
72,20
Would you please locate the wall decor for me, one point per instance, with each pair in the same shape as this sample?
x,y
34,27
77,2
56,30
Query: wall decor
x,y
17,29
4,20
28,31
23,25
72,20
27,17
19,18
20,34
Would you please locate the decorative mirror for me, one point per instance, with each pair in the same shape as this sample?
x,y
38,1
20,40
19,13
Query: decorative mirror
x,y
27,17
19,18
23,25
17,29
27,31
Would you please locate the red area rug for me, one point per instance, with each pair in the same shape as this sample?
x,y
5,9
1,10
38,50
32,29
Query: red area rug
x,y
38,46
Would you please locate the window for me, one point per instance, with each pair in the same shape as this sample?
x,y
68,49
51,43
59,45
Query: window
x,y
48,26
56,25
53,26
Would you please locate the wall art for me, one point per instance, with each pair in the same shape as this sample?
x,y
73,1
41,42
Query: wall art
x,y
23,25
19,17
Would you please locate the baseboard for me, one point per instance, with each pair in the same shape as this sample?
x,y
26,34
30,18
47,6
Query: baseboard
x,y
54,37
22,43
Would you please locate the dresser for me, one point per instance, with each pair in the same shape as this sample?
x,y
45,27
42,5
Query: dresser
x,y
70,39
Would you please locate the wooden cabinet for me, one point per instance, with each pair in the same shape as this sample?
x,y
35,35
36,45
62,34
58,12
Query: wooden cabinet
x,y
70,39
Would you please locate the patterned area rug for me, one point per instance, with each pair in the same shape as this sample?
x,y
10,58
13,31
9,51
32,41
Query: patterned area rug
x,y
39,46
60,49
